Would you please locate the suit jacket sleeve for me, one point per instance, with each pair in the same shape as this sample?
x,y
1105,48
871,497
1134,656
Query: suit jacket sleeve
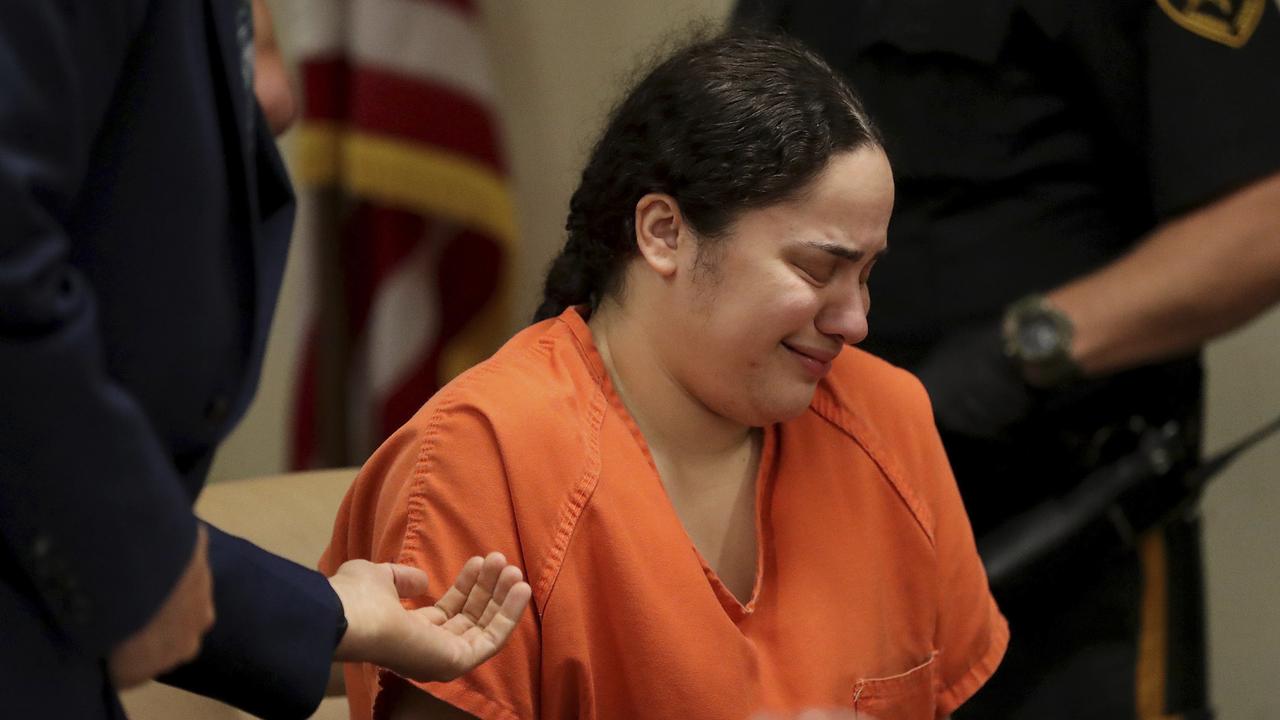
x,y
94,515
269,652
92,511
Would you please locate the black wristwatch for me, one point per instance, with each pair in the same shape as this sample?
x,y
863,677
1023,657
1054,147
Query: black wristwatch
x,y
1037,339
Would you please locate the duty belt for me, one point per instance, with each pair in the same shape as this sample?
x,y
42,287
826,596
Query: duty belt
x,y
1012,549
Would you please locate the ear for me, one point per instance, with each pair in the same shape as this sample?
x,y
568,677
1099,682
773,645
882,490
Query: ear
x,y
660,229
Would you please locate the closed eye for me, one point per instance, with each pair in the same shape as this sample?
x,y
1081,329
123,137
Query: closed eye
x,y
818,261
814,276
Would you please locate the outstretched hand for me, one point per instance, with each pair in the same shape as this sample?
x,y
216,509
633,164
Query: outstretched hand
x,y
466,627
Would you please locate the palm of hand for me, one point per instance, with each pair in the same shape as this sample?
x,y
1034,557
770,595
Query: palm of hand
x,y
467,626
471,622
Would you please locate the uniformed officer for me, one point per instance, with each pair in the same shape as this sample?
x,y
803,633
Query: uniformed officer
x,y
1087,192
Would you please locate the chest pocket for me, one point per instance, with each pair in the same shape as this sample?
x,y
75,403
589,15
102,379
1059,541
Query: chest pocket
x,y
907,696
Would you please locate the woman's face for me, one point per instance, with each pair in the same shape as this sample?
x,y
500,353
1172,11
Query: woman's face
x,y
757,320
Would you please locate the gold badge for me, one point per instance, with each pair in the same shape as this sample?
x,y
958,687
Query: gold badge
x,y
1230,22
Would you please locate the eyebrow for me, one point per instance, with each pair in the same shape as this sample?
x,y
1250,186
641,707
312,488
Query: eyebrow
x,y
842,252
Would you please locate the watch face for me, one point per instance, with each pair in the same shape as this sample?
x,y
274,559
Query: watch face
x,y
1038,339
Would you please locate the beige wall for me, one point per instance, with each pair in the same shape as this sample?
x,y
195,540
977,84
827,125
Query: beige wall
x,y
558,65
1242,516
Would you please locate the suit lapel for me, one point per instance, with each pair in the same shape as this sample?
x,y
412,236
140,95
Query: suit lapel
x,y
232,24
259,186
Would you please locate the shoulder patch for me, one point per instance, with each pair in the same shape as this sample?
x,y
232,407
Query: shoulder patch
x,y
1229,22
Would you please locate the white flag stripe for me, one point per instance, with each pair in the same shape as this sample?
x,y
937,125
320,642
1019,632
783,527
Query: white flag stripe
x,y
314,28
404,321
425,40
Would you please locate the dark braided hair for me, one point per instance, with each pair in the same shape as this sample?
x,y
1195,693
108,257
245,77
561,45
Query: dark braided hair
x,y
735,122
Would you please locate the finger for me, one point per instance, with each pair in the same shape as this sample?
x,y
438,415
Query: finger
x,y
433,614
487,641
202,540
506,580
499,629
514,604
410,581
482,590
453,600
481,598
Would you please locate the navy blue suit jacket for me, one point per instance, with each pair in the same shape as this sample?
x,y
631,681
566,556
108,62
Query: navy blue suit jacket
x,y
144,222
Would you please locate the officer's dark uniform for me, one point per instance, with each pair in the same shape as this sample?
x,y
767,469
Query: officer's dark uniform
x,y
1033,141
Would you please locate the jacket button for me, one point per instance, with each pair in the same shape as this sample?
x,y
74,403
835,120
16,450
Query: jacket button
x,y
40,548
40,554
217,409
56,582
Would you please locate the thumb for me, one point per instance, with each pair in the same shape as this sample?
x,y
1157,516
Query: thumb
x,y
409,581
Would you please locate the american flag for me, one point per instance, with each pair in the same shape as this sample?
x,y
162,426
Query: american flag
x,y
398,160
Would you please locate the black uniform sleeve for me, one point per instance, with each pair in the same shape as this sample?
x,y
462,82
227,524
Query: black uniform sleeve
x,y
1213,98
758,14
93,515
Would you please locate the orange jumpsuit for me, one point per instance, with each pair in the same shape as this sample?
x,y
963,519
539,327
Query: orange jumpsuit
x,y
869,592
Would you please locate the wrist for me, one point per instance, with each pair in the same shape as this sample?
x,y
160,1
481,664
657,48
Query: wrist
x,y
1037,337
341,626
350,644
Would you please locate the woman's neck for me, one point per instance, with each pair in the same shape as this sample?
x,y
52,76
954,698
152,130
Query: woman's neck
x,y
674,423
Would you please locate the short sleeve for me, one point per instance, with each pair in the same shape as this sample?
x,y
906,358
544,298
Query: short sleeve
x,y
971,635
433,496
1213,97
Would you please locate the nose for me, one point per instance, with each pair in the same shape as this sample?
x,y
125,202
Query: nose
x,y
845,316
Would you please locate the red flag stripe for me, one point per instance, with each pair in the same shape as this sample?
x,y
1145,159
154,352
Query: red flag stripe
x,y
325,91
304,445
414,109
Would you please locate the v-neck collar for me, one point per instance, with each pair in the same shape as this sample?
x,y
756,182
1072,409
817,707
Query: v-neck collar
x,y
765,474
